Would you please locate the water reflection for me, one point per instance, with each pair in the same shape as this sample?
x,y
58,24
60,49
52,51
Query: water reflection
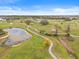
x,y
16,36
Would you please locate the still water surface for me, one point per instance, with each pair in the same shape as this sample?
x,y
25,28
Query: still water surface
x,y
17,36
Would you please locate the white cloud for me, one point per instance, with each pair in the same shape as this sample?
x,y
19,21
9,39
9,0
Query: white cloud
x,y
67,11
8,1
50,11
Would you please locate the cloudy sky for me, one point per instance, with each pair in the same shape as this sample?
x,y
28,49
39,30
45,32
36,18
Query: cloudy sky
x,y
39,7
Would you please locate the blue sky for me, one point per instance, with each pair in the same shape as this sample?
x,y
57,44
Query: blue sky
x,y
39,7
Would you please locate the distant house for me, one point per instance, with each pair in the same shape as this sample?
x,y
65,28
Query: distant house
x,y
1,19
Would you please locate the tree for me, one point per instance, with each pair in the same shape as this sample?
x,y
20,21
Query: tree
x,y
56,30
8,20
68,19
74,18
21,21
28,22
44,22
68,30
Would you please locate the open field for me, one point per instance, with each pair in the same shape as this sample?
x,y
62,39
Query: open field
x,y
74,26
74,31
31,49
35,48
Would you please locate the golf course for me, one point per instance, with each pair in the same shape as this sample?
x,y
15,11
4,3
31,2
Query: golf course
x,y
43,44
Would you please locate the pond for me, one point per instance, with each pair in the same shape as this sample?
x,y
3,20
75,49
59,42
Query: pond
x,y
17,36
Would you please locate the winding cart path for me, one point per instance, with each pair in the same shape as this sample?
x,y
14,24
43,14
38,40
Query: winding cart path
x,y
50,41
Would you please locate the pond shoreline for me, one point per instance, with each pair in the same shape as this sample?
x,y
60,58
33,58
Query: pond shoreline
x,y
17,36
4,35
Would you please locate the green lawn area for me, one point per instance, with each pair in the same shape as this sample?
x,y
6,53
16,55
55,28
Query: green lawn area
x,y
74,26
75,46
60,50
35,49
31,49
8,25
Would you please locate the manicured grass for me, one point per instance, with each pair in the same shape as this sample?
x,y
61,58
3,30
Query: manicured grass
x,y
74,26
75,45
35,49
8,25
31,49
60,50
1,49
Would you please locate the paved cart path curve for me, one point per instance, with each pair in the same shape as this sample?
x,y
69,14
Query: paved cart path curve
x,y
51,43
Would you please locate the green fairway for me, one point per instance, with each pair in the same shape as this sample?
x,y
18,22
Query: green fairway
x,y
31,49
35,48
60,51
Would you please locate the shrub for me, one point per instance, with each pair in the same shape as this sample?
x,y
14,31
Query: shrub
x,y
1,32
46,42
42,31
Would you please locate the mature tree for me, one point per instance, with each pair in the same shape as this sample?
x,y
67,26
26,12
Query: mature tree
x,y
56,30
8,20
74,18
68,19
68,30
44,22
28,22
21,21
